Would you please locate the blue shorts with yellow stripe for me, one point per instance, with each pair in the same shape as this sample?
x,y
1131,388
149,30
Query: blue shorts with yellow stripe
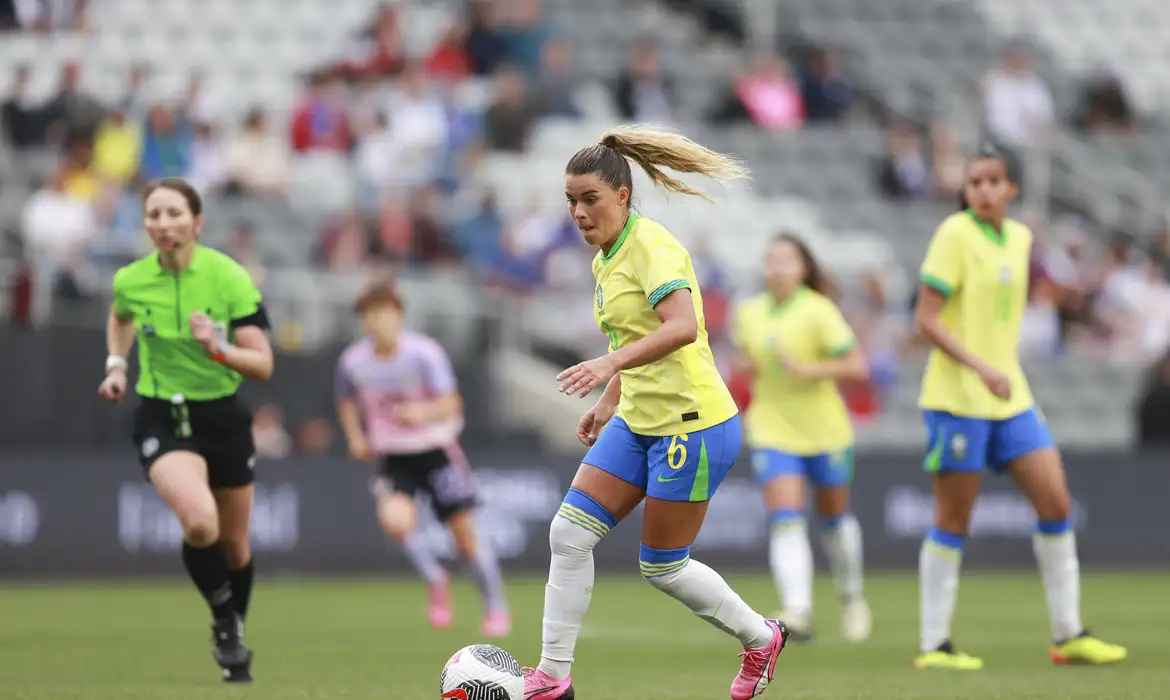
x,y
683,467
966,444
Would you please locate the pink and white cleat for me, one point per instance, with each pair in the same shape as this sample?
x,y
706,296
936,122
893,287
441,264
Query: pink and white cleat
x,y
497,624
538,685
759,665
439,610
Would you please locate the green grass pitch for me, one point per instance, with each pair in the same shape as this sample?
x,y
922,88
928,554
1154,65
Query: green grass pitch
x,y
368,640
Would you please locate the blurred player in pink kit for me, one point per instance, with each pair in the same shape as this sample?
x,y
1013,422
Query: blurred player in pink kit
x,y
398,403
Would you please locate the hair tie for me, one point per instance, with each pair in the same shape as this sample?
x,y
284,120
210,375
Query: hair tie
x,y
609,141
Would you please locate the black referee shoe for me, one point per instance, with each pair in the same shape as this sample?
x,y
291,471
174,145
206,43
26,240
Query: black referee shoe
x,y
230,653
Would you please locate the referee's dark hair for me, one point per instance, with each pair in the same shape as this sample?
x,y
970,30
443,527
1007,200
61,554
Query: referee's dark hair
x,y
176,184
989,152
381,292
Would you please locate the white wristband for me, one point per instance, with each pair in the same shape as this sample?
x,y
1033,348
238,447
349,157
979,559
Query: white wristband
x,y
115,362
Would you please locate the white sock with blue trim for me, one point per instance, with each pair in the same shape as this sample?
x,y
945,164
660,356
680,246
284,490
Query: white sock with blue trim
x,y
1055,545
578,526
938,586
791,558
842,540
705,593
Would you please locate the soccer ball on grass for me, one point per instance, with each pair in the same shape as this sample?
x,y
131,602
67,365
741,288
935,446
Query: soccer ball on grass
x,y
482,672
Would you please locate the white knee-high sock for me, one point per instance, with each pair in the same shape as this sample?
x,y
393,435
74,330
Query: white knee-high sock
x,y
791,558
1055,545
577,528
705,593
938,584
842,540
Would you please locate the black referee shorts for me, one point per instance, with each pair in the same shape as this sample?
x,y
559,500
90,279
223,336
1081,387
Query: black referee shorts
x,y
221,432
447,482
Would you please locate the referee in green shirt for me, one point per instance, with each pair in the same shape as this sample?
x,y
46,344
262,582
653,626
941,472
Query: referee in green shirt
x,y
201,329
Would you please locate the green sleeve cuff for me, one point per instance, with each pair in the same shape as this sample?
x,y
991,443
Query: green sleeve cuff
x,y
844,348
936,284
666,288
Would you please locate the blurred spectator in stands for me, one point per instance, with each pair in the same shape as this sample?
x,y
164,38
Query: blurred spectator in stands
x,y
643,92
947,164
42,15
510,118
1040,332
826,93
478,238
1104,105
269,434
526,33
166,147
431,243
242,247
766,94
718,17
119,216
9,20
1061,254
258,160
56,228
1160,247
376,161
208,169
486,45
553,94
77,163
904,172
321,121
395,240
117,147
345,244
367,101
71,112
314,437
1017,103
23,119
883,330
379,50
196,106
134,101
1153,409
449,59
418,127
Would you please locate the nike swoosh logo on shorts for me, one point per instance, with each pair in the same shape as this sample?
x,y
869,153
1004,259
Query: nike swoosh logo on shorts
x,y
663,481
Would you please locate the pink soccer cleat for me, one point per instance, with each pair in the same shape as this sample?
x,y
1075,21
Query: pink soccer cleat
x,y
759,665
497,624
538,685
439,609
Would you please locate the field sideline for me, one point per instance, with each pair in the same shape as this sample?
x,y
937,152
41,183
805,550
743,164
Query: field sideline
x,y
367,640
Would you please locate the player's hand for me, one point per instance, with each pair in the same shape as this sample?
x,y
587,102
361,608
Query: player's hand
x,y
113,387
587,376
360,450
996,382
590,425
203,328
795,368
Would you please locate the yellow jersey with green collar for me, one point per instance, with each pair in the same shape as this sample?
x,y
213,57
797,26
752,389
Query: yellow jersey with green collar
x,y
983,273
682,392
799,416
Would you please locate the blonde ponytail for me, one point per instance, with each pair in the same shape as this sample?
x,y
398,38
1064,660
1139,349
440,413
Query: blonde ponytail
x,y
654,150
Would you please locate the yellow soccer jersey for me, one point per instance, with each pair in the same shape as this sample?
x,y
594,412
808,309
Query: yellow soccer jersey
x,y
682,392
799,416
984,275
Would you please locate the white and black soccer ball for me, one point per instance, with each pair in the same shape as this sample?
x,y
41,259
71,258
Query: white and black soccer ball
x,y
482,672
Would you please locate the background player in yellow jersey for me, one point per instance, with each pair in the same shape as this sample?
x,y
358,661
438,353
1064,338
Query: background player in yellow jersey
x,y
979,413
798,345
676,430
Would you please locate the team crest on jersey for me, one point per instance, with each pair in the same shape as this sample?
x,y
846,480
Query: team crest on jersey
x,y
959,447
1005,274
598,295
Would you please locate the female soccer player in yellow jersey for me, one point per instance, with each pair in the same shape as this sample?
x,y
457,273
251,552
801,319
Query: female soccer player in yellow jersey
x,y
795,341
676,430
979,413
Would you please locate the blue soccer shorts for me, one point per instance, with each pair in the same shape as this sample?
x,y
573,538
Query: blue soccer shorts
x,y
961,443
683,467
824,470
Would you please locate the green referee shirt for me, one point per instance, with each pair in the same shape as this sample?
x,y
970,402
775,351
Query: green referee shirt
x,y
161,302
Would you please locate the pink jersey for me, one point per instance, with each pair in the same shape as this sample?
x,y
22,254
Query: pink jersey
x,y
419,369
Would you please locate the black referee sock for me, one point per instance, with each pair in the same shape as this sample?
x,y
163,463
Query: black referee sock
x,y
241,579
208,568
